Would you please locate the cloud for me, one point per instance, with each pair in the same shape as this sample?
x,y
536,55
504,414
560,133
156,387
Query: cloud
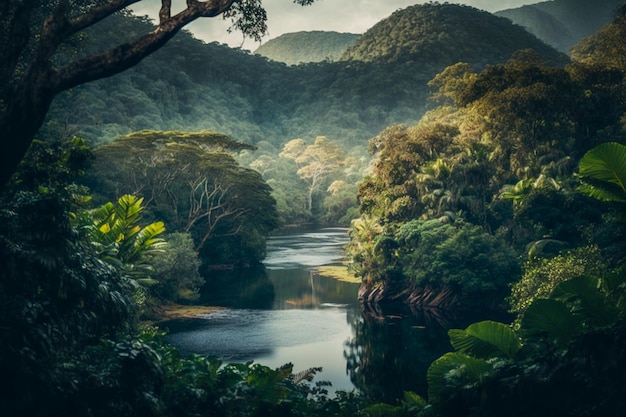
x,y
353,16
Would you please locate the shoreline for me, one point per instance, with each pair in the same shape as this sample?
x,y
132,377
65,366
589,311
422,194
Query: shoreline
x,y
180,312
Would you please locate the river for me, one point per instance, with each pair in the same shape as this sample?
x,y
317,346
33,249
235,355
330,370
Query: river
x,y
285,312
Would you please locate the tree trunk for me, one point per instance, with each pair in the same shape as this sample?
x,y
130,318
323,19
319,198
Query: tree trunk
x,y
22,117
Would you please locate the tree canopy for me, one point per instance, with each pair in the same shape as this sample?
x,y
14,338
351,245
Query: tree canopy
x,y
37,63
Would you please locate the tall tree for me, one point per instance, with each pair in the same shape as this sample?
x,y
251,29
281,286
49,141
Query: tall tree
x,y
191,182
34,32
315,162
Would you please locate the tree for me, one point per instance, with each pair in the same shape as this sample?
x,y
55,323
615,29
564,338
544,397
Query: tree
x,y
315,162
191,182
32,72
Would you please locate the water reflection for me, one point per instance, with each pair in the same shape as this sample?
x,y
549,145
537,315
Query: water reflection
x,y
239,288
285,312
392,347
306,250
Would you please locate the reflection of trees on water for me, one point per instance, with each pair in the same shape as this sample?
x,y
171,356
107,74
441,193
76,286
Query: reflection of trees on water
x,y
274,289
389,354
238,288
392,349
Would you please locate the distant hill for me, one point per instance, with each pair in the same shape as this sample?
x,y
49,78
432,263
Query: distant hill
x,y
381,80
562,23
439,35
303,47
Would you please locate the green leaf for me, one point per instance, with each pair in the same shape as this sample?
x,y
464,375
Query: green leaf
x,y
550,318
589,301
413,401
452,371
603,169
485,340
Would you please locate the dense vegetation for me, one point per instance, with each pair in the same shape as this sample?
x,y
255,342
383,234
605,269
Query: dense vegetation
x,y
431,34
216,88
515,180
303,47
510,157
267,104
191,183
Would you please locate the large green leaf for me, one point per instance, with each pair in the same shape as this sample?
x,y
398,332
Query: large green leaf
x,y
486,339
603,169
584,294
550,318
452,371
145,242
615,286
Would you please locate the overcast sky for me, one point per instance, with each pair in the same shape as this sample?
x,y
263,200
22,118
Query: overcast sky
x,y
354,16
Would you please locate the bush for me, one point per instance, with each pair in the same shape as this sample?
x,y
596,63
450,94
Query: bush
x,y
176,270
459,256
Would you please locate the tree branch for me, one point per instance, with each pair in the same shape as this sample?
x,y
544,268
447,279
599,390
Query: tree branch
x,y
98,13
125,56
166,11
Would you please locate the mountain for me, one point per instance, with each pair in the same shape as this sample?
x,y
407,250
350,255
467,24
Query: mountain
x,y
303,47
562,23
382,80
442,34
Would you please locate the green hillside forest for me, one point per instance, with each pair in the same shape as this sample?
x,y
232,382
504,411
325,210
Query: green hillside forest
x,y
304,47
476,166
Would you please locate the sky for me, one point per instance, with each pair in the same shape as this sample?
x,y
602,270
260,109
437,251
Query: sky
x,y
353,16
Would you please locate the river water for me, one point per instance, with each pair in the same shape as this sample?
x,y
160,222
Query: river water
x,y
282,313
286,312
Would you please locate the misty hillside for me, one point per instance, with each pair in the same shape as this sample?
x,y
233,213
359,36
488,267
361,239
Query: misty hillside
x,y
190,85
302,47
562,23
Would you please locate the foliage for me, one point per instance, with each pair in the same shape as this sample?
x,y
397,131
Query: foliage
x,y
121,241
190,182
56,295
486,339
562,23
411,405
541,275
416,31
256,100
603,47
315,162
555,333
457,256
69,341
603,172
39,60
176,270
512,131
303,47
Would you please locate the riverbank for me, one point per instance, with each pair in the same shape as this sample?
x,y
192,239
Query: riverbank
x,y
338,272
178,312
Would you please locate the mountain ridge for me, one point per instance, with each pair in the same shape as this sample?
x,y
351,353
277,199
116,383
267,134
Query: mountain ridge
x,y
562,23
307,46
191,85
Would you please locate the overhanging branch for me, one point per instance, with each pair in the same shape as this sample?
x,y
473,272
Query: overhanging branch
x,y
125,56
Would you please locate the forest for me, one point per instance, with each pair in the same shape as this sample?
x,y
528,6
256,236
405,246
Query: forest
x,y
474,166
